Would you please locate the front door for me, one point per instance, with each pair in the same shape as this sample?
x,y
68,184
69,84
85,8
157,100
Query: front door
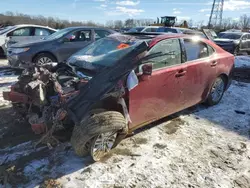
x,y
159,95
19,35
75,41
243,43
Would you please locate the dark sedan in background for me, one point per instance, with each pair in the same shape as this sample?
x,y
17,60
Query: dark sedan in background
x,y
234,42
181,31
57,47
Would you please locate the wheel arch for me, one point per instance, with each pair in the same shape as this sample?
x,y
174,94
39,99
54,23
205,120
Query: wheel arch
x,y
109,103
114,104
225,78
206,92
44,52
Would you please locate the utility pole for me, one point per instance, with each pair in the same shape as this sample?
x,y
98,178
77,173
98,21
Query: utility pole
x,y
215,18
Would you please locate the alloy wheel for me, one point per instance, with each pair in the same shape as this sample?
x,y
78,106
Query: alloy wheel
x,y
44,60
218,89
102,144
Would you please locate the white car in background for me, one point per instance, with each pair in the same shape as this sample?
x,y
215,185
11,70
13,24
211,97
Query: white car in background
x,y
143,29
22,33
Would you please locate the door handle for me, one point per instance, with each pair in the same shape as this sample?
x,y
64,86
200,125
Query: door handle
x,y
214,64
180,73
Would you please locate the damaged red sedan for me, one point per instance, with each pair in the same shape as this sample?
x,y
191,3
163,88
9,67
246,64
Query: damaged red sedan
x,y
118,84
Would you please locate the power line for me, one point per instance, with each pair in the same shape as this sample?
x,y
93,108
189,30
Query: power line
x,y
215,18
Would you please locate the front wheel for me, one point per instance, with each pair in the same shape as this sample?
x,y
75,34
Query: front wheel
x,y
44,58
217,91
97,134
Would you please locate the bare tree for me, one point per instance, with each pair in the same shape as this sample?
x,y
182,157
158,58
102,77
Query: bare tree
x,y
110,24
130,23
118,24
10,18
244,21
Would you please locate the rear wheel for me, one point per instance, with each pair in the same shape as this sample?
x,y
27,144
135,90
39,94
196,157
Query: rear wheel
x,y
217,91
97,134
44,58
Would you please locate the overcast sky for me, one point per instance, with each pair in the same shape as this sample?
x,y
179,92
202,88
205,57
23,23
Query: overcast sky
x,y
103,10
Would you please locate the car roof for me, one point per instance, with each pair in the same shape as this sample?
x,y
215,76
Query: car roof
x,y
153,26
89,27
158,36
31,25
230,32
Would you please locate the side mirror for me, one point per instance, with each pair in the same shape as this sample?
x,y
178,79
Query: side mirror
x,y
147,69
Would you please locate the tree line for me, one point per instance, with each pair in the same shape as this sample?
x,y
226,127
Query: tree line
x,y
10,18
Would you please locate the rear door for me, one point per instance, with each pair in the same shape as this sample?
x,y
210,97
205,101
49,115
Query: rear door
x,y
39,33
201,70
73,42
159,95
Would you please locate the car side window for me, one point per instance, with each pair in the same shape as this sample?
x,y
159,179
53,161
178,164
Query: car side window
x,y
153,29
26,31
80,36
195,50
244,37
165,53
248,36
41,32
101,34
148,30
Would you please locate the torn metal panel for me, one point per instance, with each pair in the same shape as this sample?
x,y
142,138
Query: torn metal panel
x,y
103,83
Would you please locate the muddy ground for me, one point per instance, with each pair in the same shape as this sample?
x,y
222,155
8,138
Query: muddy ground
x,y
199,147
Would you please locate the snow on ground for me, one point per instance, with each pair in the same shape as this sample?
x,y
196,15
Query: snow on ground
x,y
7,78
3,62
200,147
209,147
242,61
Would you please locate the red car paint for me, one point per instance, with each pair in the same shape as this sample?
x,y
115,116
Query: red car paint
x,y
172,89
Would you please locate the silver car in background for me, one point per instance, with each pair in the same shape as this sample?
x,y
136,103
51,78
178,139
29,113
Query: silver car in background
x,y
22,33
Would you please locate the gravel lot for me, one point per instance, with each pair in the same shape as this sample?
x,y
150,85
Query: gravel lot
x,y
199,147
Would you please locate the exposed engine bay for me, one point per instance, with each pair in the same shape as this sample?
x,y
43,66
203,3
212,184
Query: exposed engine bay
x,y
41,92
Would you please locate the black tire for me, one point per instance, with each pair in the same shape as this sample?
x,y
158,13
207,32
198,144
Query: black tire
x,y
236,51
211,100
44,56
103,122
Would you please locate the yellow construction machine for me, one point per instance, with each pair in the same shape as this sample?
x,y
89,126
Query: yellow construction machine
x,y
170,21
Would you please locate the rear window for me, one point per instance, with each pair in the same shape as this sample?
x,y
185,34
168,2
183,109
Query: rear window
x,y
166,30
